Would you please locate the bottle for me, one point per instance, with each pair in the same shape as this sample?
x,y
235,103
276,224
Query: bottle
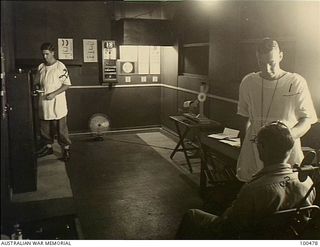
x,y
17,232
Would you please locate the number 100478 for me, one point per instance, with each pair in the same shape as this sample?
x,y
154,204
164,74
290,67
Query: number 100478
x,y
309,243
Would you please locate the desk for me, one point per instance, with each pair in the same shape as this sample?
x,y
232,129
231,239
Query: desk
x,y
189,124
228,154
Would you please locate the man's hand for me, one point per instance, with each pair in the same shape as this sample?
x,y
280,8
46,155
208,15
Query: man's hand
x,y
50,96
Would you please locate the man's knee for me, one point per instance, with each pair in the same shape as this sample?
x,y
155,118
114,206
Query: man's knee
x,y
189,215
185,227
196,224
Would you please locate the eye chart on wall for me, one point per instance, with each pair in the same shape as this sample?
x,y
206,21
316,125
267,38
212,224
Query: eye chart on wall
x,y
65,48
143,59
154,59
90,51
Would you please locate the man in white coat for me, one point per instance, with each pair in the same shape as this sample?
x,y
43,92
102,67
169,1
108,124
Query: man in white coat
x,y
54,80
269,95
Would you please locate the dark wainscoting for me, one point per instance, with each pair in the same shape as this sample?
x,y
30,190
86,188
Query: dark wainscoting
x,y
126,107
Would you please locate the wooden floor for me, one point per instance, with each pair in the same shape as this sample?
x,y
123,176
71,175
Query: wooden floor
x,y
123,189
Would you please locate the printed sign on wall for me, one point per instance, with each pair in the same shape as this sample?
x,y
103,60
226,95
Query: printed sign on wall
x,y
154,59
65,48
109,50
90,51
129,53
143,59
109,58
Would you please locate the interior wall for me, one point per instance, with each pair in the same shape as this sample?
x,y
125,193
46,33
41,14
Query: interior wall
x,y
232,42
126,107
142,10
189,26
234,27
230,28
169,75
40,21
307,62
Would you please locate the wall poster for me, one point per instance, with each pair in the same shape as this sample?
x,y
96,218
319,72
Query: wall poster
x,y
65,48
109,59
143,59
90,51
154,59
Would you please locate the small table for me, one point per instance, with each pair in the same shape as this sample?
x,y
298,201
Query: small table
x,y
189,124
220,150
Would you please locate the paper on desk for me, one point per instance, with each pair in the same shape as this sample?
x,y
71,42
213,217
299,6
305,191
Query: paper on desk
x,y
227,133
235,142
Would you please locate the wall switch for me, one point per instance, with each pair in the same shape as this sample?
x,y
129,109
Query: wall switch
x,y
143,79
128,78
154,78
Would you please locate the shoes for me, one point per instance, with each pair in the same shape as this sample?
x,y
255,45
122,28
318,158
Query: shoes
x,y
66,155
45,151
41,149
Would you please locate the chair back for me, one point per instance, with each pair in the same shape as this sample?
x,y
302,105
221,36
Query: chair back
x,y
283,225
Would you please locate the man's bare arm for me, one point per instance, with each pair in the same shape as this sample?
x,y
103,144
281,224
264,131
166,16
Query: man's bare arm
x,y
52,95
300,128
244,125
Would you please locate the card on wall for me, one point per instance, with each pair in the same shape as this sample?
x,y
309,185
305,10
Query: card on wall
x,y
129,53
143,59
109,58
90,51
65,49
154,59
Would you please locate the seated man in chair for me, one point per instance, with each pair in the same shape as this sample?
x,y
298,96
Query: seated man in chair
x,y
275,187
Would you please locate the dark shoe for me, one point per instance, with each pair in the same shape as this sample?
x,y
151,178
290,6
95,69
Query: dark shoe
x,y
66,155
45,152
41,149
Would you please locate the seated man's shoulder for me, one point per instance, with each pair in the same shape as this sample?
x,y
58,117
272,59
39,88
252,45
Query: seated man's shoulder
x,y
278,184
271,181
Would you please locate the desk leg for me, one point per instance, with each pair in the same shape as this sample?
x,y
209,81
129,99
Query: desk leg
x,y
203,165
181,138
179,142
203,177
205,173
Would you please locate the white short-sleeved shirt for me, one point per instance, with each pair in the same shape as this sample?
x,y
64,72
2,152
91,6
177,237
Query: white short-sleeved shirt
x,y
51,78
289,102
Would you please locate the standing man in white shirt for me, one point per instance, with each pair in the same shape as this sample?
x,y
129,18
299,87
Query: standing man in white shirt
x,y
53,77
269,95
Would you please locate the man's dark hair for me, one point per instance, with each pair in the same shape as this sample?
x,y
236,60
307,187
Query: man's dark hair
x,y
47,46
266,45
277,137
